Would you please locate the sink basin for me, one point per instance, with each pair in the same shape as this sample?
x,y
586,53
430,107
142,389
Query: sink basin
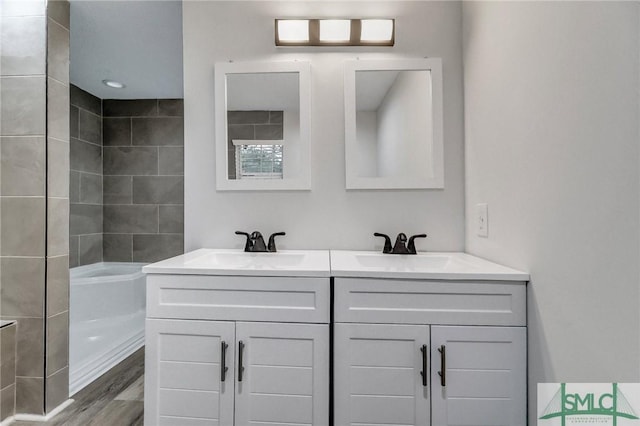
x,y
236,262
233,259
448,266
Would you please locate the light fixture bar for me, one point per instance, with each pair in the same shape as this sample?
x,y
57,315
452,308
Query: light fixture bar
x,y
335,32
292,31
373,30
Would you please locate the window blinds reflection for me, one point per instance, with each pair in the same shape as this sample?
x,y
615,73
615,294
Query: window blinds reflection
x,y
259,161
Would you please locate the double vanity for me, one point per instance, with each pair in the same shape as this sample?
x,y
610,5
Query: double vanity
x,y
334,337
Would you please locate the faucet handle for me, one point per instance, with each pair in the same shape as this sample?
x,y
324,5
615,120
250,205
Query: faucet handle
x,y
247,245
387,241
412,245
271,246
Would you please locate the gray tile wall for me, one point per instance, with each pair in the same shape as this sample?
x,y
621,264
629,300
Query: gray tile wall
x,y
126,183
34,191
55,336
85,183
23,150
143,167
251,125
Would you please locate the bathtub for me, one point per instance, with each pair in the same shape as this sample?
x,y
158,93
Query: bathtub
x,y
106,318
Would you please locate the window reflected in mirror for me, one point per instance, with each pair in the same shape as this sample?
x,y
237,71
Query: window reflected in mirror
x,y
257,161
265,132
262,107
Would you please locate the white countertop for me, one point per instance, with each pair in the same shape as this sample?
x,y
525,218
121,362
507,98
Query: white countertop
x,y
284,263
432,265
336,263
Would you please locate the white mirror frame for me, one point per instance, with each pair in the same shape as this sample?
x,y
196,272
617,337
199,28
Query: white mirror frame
x,y
302,182
353,181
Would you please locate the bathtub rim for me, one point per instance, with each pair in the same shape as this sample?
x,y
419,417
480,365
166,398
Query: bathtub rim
x,y
81,280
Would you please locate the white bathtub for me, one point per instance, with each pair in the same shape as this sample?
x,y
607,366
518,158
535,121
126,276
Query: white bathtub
x,y
106,322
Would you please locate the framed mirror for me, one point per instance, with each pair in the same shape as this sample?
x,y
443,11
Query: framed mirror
x,y
262,126
393,124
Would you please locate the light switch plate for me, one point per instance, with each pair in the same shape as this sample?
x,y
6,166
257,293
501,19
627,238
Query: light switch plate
x,y
482,219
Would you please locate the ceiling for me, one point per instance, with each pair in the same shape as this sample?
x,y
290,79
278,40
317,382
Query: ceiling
x,y
138,43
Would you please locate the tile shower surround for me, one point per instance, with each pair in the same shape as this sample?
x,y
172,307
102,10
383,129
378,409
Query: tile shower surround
x,y
85,183
143,166
34,173
127,167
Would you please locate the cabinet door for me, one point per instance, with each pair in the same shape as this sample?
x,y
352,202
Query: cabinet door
x,y
484,377
284,377
183,381
377,374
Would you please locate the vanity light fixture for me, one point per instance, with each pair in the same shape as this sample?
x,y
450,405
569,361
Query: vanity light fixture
x,y
114,84
335,32
373,30
293,31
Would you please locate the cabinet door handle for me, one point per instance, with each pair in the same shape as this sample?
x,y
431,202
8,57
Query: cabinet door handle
x,y
223,361
423,373
443,369
240,367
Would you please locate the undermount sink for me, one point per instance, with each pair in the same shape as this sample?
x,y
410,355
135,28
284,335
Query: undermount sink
x,y
449,266
237,262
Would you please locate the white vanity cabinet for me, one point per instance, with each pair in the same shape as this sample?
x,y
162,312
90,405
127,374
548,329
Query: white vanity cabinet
x,y
237,339
183,380
283,378
485,373
236,350
378,374
286,374
443,347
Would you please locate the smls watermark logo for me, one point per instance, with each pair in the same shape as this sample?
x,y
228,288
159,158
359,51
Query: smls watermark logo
x,y
561,404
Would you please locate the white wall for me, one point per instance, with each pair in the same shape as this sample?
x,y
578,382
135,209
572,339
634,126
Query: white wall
x,y
551,142
367,139
405,133
327,216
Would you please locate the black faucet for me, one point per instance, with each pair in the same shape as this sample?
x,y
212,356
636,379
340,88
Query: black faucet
x,y
401,246
255,242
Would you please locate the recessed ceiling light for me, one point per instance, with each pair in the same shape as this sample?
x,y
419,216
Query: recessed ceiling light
x,y
114,84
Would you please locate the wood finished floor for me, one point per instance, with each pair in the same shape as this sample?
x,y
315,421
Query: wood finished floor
x,y
115,399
